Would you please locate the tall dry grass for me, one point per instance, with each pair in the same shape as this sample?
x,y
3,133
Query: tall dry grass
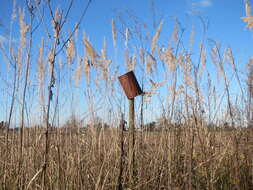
x,y
201,137
181,158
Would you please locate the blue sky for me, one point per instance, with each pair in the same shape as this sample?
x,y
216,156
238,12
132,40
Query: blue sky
x,y
223,16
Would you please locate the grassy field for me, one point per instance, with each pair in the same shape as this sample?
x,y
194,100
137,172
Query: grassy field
x,y
181,158
196,109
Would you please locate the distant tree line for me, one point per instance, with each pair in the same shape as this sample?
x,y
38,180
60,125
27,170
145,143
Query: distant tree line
x,y
3,125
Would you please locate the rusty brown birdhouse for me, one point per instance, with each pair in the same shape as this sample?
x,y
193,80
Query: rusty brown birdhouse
x,y
130,85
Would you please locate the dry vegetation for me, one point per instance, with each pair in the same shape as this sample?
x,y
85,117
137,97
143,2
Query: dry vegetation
x,y
203,138
181,158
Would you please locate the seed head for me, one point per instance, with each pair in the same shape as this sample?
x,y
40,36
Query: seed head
x,y
113,33
90,51
155,38
70,50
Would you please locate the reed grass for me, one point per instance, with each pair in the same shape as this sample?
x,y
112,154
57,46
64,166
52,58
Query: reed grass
x,y
200,136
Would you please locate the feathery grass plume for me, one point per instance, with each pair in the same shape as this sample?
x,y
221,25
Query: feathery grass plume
x,y
90,51
103,51
105,72
132,63
250,63
126,37
155,85
190,98
179,90
87,69
127,58
191,41
169,59
231,61
181,86
202,60
173,93
50,58
150,61
141,55
113,33
188,81
180,59
214,56
70,50
14,11
249,21
104,63
155,38
215,60
104,58
148,95
175,33
187,72
23,29
230,57
78,73
249,18
41,72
